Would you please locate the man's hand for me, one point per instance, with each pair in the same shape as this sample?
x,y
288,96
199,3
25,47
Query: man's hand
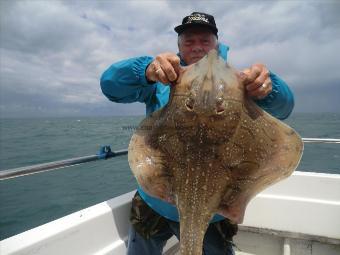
x,y
257,81
165,68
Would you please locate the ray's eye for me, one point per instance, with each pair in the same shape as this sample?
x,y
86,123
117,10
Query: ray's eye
x,y
219,100
219,105
189,103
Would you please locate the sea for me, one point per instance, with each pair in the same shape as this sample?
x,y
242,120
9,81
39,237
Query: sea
x,y
29,201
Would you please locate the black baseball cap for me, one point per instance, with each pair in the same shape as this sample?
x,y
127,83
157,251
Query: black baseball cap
x,y
197,19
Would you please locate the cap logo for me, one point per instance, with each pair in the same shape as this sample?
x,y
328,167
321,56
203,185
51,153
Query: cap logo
x,y
197,17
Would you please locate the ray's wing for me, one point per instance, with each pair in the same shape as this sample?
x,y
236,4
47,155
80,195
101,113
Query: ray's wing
x,y
262,152
150,156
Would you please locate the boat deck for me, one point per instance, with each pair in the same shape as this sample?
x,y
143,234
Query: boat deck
x,y
298,216
274,242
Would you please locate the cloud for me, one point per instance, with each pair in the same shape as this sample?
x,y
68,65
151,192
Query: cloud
x,y
54,52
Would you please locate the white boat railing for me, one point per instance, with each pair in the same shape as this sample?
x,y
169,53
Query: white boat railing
x,y
104,153
321,140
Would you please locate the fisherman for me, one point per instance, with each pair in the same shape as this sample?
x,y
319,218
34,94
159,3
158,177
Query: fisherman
x,y
146,79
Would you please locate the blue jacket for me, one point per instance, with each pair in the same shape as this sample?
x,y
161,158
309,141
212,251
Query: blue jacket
x,y
125,82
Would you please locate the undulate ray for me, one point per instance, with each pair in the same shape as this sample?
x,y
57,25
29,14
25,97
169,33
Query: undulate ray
x,y
210,149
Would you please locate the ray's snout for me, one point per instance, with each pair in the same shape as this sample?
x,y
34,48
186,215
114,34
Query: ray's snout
x,y
206,85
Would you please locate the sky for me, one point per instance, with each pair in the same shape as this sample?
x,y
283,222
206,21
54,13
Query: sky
x,y
54,52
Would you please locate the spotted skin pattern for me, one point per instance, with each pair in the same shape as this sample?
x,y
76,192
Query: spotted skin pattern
x,y
211,149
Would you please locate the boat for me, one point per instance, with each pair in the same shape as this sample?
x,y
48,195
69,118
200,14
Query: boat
x,y
299,215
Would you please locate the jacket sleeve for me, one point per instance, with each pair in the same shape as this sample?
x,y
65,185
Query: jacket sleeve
x,y
125,81
280,102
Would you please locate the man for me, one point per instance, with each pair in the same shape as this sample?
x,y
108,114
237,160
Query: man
x,y
146,79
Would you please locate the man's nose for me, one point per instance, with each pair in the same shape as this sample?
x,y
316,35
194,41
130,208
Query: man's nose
x,y
197,48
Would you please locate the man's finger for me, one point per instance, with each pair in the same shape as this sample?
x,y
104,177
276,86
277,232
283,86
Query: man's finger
x,y
243,75
262,91
268,85
161,76
258,81
156,67
175,62
246,71
168,69
252,74
258,94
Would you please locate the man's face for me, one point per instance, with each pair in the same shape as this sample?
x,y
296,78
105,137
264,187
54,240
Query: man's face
x,y
195,43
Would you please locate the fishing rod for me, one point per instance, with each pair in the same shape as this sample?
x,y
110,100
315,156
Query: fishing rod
x,y
105,152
